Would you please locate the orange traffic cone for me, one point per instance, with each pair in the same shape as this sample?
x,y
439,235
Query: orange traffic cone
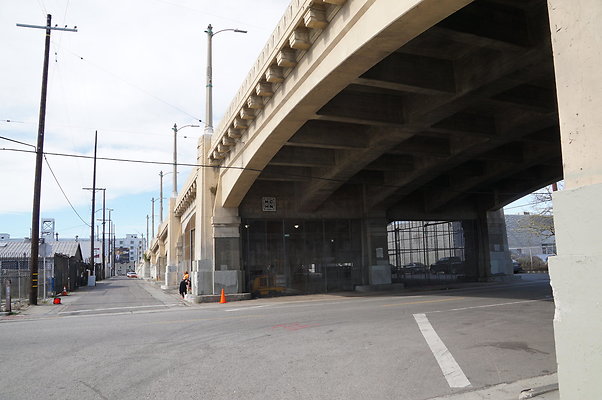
x,y
222,298
64,291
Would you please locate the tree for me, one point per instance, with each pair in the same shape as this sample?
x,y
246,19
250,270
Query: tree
x,y
541,223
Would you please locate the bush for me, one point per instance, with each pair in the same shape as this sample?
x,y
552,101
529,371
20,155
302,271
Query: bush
x,y
536,265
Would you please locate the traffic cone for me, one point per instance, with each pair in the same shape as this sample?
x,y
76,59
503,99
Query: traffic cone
x,y
64,291
222,298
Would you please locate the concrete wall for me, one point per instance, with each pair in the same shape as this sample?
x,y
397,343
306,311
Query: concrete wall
x,y
576,272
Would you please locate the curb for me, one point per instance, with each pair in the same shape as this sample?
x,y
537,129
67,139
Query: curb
x,y
538,391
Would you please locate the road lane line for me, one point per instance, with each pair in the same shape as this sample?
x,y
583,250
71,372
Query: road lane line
x,y
244,308
423,302
451,370
120,308
491,305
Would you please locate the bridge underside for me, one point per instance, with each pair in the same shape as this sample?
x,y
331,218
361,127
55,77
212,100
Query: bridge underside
x,y
461,120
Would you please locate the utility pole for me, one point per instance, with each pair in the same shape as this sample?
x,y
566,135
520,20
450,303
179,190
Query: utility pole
x,y
109,252
92,264
160,199
175,156
153,217
114,239
147,242
104,266
103,227
37,188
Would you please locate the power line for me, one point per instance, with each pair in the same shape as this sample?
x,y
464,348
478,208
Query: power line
x,y
130,83
16,141
234,167
62,191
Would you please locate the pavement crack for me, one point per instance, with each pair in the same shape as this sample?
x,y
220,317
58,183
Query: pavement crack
x,y
94,390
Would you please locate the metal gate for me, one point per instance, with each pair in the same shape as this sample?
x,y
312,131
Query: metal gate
x,y
423,251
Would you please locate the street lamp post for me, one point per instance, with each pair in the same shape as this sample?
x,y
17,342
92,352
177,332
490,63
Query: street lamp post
x,y
111,265
161,175
161,198
153,217
209,87
175,156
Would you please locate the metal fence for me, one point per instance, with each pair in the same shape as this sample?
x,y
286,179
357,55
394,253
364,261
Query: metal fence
x,y
415,245
54,274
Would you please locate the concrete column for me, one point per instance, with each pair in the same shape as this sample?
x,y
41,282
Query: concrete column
x,y
576,272
486,247
146,269
160,264
474,259
173,235
375,249
499,254
202,267
153,264
226,235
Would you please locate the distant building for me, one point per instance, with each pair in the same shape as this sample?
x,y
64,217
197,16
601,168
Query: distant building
x,y
531,235
126,251
59,264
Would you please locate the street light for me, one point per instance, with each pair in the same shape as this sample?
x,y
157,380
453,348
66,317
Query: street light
x,y
209,94
161,175
175,156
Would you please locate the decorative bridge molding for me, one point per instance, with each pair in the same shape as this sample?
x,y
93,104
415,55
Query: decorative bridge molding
x,y
298,29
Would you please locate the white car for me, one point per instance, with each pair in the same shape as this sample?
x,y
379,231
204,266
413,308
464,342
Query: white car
x,y
132,274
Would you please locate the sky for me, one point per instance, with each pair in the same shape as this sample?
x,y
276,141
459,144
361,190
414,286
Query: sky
x,y
133,69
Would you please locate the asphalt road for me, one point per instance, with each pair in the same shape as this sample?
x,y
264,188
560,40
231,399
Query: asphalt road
x,y
125,339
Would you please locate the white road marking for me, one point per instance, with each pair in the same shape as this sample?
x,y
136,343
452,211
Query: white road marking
x,y
451,370
119,308
244,308
491,305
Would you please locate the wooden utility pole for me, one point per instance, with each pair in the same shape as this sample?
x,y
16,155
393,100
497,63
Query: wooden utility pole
x,y
92,264
37,186
104,265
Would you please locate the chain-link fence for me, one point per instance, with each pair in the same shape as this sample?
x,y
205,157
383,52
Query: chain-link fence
x,y
54,274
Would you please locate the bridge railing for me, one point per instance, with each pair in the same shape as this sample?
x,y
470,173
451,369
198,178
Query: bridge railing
x,y
280,34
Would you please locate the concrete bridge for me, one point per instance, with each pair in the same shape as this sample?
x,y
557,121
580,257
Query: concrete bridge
x,y
361,112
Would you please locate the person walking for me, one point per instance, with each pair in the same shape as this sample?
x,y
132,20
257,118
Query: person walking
x,y
187,279
183,287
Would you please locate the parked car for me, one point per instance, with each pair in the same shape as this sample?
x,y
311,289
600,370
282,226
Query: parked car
x,y
448,265
132,274
415,268
516,266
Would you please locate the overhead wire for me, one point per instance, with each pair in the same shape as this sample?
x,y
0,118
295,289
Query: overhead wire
x,y
106,71
62,191
291,175
53,175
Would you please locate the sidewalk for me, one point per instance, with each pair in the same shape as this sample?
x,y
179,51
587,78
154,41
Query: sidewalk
x,y
538,388
46,308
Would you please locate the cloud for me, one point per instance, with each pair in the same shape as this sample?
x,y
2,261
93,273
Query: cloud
x,y
131,71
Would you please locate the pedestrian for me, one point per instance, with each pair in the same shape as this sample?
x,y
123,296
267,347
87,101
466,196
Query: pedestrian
x,y
187,279
183,287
